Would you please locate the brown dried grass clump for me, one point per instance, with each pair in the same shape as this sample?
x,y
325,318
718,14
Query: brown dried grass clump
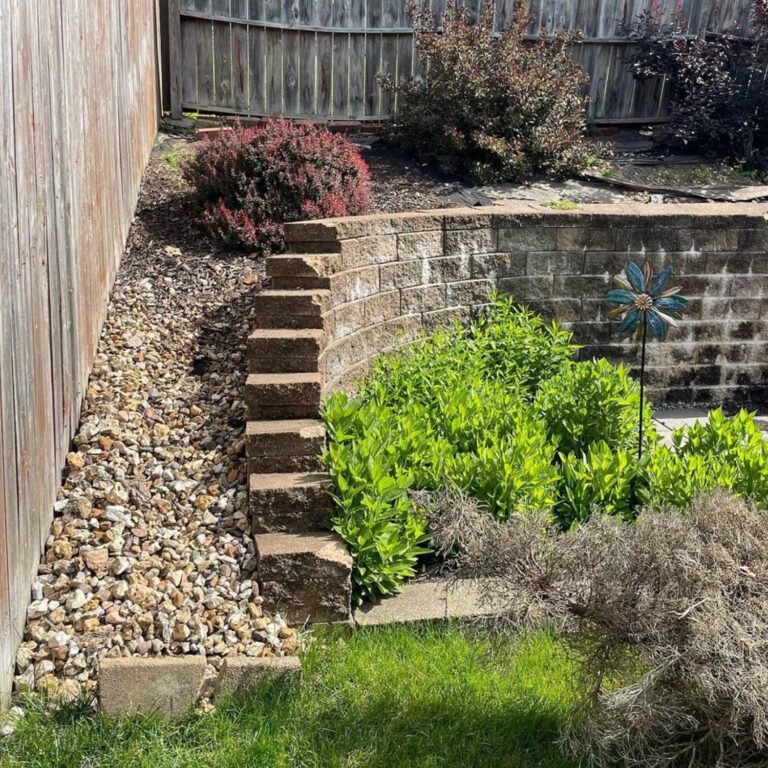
x,y
675,603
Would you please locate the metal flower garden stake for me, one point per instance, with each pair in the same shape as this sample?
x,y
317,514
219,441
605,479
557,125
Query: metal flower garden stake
x,y
645,303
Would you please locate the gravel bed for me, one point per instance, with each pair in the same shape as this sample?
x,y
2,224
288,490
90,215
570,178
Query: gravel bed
x,y
150,551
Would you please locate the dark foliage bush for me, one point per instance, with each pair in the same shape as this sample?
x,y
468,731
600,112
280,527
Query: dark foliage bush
x,y
496,108
719,92
250,182
667,617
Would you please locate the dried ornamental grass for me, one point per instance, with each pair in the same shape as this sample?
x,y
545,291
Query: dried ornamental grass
x,y
676,603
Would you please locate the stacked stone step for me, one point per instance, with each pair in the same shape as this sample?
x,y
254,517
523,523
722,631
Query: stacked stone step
x,y
304,569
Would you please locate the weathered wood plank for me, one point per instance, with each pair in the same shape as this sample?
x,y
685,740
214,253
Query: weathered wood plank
x,y
222,64
9,573
240,67
291,73
79,94
308,73
340,75
372,69
188,65
206,88
257,71
273,68
324,74
175,57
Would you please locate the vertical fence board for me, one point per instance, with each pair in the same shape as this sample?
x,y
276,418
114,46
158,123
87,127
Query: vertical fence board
x,y
256,53
291,73
189,69
240,67
222,64
324,73
340,75
273,68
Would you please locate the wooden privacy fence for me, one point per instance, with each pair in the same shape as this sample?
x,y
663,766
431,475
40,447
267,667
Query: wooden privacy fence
x,y
79,105
321,58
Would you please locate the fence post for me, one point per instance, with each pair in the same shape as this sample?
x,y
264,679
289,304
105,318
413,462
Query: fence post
x,y
174,56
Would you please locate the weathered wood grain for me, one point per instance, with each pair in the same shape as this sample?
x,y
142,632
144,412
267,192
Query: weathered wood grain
x,y
79,96
316,80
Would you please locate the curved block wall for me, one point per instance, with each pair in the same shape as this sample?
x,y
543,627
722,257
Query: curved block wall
x,y
388,277
350,289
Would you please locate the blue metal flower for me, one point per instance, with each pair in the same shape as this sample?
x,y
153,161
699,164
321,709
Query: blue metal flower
x,y
643,297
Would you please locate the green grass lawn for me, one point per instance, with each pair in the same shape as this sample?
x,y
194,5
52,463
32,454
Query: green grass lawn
x,y
419,697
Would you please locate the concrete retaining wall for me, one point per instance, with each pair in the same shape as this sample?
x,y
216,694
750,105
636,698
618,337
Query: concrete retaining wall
x,y
350,289
391,276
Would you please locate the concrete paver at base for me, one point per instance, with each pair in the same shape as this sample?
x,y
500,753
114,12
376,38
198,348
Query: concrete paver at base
x,y
430,601
168,685
244,673
674,418
422,601
472,598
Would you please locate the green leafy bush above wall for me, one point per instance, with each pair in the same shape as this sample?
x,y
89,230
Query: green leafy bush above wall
x,y
502,411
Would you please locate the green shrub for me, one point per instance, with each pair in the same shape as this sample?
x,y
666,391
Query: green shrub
x,y
601,478
674,479
500,412
454,407
495,107
593,401
728,453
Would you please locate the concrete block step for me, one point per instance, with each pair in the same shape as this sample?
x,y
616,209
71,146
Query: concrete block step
x,y
280,350
292,502
299,282
301,271
283,395
292,445
302,264
291,308
305,576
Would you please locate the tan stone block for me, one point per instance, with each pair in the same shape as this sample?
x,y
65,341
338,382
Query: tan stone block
x,y
466,242
495,265
290,502
524,239
527,287
581,286
348,318
168,685
554,263
449,269
355,284
420,245
469,292
382,307
364,251
403,274
305,576
422,298
585,238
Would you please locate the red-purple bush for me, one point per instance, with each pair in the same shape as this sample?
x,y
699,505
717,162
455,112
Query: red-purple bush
x,y
718,88
250,182
494,107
